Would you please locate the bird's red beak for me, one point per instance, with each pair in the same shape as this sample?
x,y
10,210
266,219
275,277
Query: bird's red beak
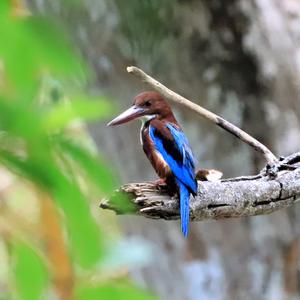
x,y
131,113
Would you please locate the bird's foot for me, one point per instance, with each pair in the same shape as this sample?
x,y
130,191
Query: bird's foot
x,y
159,181
160,184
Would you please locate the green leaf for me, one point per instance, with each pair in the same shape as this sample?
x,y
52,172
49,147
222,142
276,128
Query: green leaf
x,y
30,47
85,235
112,292
63,113
27,168
4,7
94,168
17,120
31,275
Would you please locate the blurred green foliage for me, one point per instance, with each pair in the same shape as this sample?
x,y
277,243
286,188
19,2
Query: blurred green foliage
x,y
28,262
37,144
111,291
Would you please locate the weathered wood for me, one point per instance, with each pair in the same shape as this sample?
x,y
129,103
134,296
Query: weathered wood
x,y
229,198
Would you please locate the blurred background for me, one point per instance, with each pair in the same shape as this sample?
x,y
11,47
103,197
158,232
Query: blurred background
x,y
63,63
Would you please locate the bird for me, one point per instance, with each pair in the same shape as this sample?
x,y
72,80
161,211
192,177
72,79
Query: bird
x,y
166,147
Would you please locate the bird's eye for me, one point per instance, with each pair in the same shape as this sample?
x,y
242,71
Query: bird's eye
x,y
148,103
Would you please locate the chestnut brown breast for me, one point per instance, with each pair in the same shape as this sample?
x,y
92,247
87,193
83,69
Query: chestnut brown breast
x,y
159,164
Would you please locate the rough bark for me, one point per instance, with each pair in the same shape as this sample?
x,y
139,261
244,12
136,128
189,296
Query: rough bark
x,y
236,197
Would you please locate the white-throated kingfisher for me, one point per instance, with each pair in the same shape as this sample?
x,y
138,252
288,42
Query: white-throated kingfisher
x,y
166,147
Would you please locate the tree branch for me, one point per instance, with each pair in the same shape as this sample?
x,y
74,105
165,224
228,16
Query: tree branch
x,y
229,198
172,96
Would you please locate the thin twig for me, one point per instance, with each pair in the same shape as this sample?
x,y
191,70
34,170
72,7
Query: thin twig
x,y
172,96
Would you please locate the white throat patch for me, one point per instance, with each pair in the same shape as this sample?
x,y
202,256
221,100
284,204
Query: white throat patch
x,y
145,119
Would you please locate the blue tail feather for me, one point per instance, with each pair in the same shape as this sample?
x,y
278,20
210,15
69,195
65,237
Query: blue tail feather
x,y
184,208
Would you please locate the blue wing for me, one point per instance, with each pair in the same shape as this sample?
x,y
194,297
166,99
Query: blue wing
x,y
177,154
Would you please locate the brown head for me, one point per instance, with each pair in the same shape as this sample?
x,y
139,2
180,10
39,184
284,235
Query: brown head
x,y
146,105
